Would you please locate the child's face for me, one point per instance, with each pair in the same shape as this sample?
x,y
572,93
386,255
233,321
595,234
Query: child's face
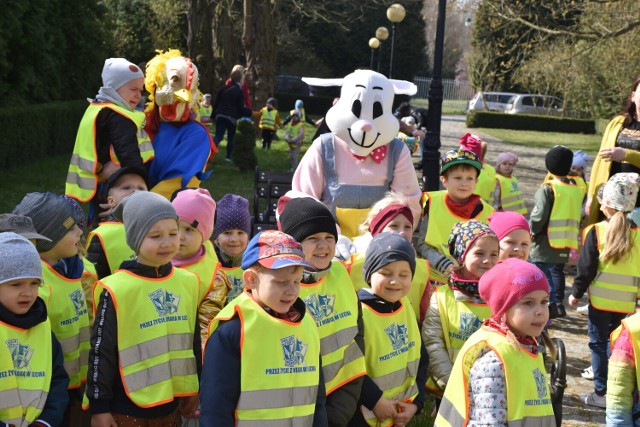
x,y
160,244
506,168
190,241
319,249
233,242
124,186
516,244
392,281
529,316
18,296
269,106
480,257
132,91
295,119
460,183
400,224
577,170
276,289
65,248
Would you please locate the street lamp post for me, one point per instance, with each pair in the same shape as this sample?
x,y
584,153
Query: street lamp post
x,y
431,153
395,14
374,43
381,34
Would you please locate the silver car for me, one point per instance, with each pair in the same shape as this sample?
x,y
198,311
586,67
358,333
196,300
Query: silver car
x,y
534,104
496,101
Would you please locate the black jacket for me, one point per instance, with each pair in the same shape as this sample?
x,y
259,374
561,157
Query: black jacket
x,y
229,102
114,129
104,385
58,398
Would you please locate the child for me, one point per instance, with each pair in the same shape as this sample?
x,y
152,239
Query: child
x,y
392,337
499,378
294,136
609,266
413,143
507,196
28,345
578,167
457,310
442,209
145,346
514,234
392,214
106,245
269,122
555,226
264,344
196,210
332,303
486,185
299,106
230,237
205,110
53,217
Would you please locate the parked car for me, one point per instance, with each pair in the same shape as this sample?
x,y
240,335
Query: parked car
x,y
291,84
496,101
534,104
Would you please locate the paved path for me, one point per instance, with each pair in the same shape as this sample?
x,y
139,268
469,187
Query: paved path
x,y
572,329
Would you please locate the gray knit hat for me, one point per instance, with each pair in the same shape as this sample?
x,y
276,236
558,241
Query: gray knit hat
x,y
139,212
384,249
117,72
19,260
52,216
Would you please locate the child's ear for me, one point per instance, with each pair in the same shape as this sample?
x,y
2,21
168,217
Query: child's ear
x,y
443,180
111,202
250,278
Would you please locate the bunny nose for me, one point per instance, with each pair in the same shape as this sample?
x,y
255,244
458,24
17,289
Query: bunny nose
x,y
366,127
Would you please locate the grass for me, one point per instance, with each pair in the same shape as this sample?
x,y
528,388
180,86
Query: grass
x,y
587,143
449,106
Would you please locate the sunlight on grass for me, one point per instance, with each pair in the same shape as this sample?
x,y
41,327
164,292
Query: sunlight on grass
x,y
575,141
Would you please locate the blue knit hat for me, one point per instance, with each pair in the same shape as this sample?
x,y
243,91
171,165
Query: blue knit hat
x,y
232,213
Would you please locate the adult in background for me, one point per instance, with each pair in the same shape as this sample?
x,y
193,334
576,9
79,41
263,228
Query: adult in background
x,y
243,84
228,107
619,152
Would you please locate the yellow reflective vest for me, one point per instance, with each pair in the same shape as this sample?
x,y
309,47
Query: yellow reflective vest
x,y
82,177
234,274
69,317
419,284
280,366
334,306
205,268
486,184
268,119
114,243
528,395
564,219
156,325
392,351
616,287
441,221
292,130
510,194
25,372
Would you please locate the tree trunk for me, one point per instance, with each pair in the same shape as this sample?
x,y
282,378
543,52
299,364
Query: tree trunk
x,y
199,44
227,48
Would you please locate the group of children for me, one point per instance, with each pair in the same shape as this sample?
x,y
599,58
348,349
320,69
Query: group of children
x,y
172,311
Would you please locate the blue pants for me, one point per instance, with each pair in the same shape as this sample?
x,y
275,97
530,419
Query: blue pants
x,y
224,125
601,324
546,268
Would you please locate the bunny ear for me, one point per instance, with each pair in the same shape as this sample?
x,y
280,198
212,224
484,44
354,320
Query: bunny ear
x,y
315,81
403,87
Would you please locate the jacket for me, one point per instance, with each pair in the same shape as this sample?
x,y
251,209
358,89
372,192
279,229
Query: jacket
x,y
229,102
105,389
115,130
623,404
58,398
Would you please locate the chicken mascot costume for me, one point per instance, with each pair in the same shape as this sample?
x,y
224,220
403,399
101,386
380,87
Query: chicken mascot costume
x,y
353,167
182,145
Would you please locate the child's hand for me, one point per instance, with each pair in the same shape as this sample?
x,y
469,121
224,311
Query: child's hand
x,y
573,301
103,420
189,406
385,408
406,411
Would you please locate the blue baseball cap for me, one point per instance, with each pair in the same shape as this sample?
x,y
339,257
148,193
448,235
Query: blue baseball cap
x,y
273,249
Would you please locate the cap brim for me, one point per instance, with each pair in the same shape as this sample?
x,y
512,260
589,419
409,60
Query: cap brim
x,y
35,236
281,261
476,165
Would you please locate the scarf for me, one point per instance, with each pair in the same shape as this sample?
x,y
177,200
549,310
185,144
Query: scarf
x,y
466,286
192,259
109,94
463,210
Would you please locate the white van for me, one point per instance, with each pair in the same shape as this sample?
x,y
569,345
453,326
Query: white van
x,y
496,101
534,104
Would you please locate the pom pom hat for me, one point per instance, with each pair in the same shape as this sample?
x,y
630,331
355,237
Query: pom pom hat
x,y
117,72
273,249
196,207
508,282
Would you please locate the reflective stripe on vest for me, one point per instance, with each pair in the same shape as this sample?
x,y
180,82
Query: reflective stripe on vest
x,y
441,221
528,395
234,274
271,354
334,306
114,244
25,368
82,179
564,219
510,194
486,184
67,309
144,141
616,286
205,268
392,351
419,284
268,119
157,362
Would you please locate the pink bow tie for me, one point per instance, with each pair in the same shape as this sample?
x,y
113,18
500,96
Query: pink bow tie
x,y
377,155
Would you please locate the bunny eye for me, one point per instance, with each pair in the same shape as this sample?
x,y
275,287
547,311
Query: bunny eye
x,y
356,108
377,109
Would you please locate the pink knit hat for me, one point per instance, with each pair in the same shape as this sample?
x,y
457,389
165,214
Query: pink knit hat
x,y
506,156
503,223
196,207
508,282
471,142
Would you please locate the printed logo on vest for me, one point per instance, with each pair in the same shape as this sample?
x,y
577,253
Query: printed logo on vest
x,y
20,354
165,302
320,306
398,335
541,383
79,304
294,352
469,323
514,186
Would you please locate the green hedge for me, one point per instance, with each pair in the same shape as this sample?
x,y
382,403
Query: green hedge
x,y
314,105
489,119
34,131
